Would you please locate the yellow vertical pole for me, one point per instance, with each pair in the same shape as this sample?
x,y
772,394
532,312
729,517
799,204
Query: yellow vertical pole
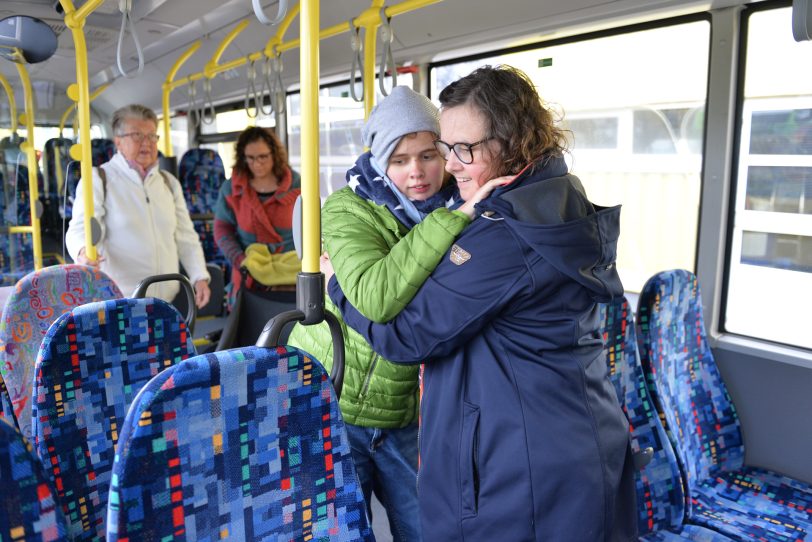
x,y
371,24
31,154
309,70
75,20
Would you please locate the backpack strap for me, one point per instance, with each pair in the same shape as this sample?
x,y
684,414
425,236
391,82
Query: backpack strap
x,y
167,182
103,176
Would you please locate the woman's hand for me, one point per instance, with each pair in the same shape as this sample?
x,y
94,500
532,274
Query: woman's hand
x,y
483,192
202,293
326,267
82,259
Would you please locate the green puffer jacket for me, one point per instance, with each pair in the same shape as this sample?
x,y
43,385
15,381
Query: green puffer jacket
x,y
380,265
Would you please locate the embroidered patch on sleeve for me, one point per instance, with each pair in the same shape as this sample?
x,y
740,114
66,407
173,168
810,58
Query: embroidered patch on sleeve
x,y
459,255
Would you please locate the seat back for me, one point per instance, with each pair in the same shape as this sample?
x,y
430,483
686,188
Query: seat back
x,y
660,494
683,378
246,444
6,407
201,173
101,150
38,299
92,362
28,508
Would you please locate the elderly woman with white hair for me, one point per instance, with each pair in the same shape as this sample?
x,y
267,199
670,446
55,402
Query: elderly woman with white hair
x,y
145,225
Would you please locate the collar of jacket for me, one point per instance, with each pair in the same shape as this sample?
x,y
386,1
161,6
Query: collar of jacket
x,y
240,183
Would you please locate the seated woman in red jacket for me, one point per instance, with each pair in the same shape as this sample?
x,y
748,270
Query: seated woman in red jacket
x,y
254,212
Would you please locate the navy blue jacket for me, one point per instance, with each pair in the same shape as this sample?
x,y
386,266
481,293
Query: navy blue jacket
x,y
522,437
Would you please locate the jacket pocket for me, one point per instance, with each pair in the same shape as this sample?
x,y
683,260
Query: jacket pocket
x,y
469,460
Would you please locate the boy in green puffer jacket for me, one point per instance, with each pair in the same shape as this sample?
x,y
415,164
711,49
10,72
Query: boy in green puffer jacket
x,y
384,233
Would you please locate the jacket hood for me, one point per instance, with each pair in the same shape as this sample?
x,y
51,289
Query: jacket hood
x,y
547,208
368,183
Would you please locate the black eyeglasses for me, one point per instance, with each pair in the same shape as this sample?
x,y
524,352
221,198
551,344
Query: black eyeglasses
x,y
138,137
463,151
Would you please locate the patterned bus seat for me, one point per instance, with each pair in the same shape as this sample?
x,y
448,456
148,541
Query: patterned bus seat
x,y
6,407
201,173
744,503
92,363
660,495
38,299
28,508
245,444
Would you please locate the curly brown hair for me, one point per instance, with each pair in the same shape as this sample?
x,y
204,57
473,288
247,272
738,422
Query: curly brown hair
x,y
278,152
514,115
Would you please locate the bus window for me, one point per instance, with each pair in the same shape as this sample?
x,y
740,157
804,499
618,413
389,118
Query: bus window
x,y
637,142
769,280
230,124
340,121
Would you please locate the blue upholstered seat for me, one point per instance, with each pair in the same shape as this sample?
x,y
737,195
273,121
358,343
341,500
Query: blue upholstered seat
x,y
92,363
745,503
28,508
660,495
201,173
245,444
38,299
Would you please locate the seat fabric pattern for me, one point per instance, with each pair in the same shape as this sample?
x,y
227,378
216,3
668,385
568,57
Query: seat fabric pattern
x,y
38,299
201,173
742,502
28,509
245,444
754,504
92,363
687,532
660,494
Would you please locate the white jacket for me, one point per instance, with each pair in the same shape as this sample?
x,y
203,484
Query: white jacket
x,y
145,228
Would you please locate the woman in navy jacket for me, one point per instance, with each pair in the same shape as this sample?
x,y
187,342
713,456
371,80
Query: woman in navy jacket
x,y
522,437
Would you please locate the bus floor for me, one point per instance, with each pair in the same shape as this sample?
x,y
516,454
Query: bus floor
x,y
380,523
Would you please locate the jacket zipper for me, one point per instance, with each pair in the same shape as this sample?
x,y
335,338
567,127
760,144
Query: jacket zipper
x,y
365,387
151,223
419,423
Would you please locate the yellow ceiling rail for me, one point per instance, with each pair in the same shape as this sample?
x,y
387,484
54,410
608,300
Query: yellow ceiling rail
x,y
370,17
167,90
211,68
12,104
370,20
276,41
27,118
75,20
72,109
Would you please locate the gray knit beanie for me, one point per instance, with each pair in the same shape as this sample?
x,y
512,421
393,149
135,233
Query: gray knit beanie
x,y
403,112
